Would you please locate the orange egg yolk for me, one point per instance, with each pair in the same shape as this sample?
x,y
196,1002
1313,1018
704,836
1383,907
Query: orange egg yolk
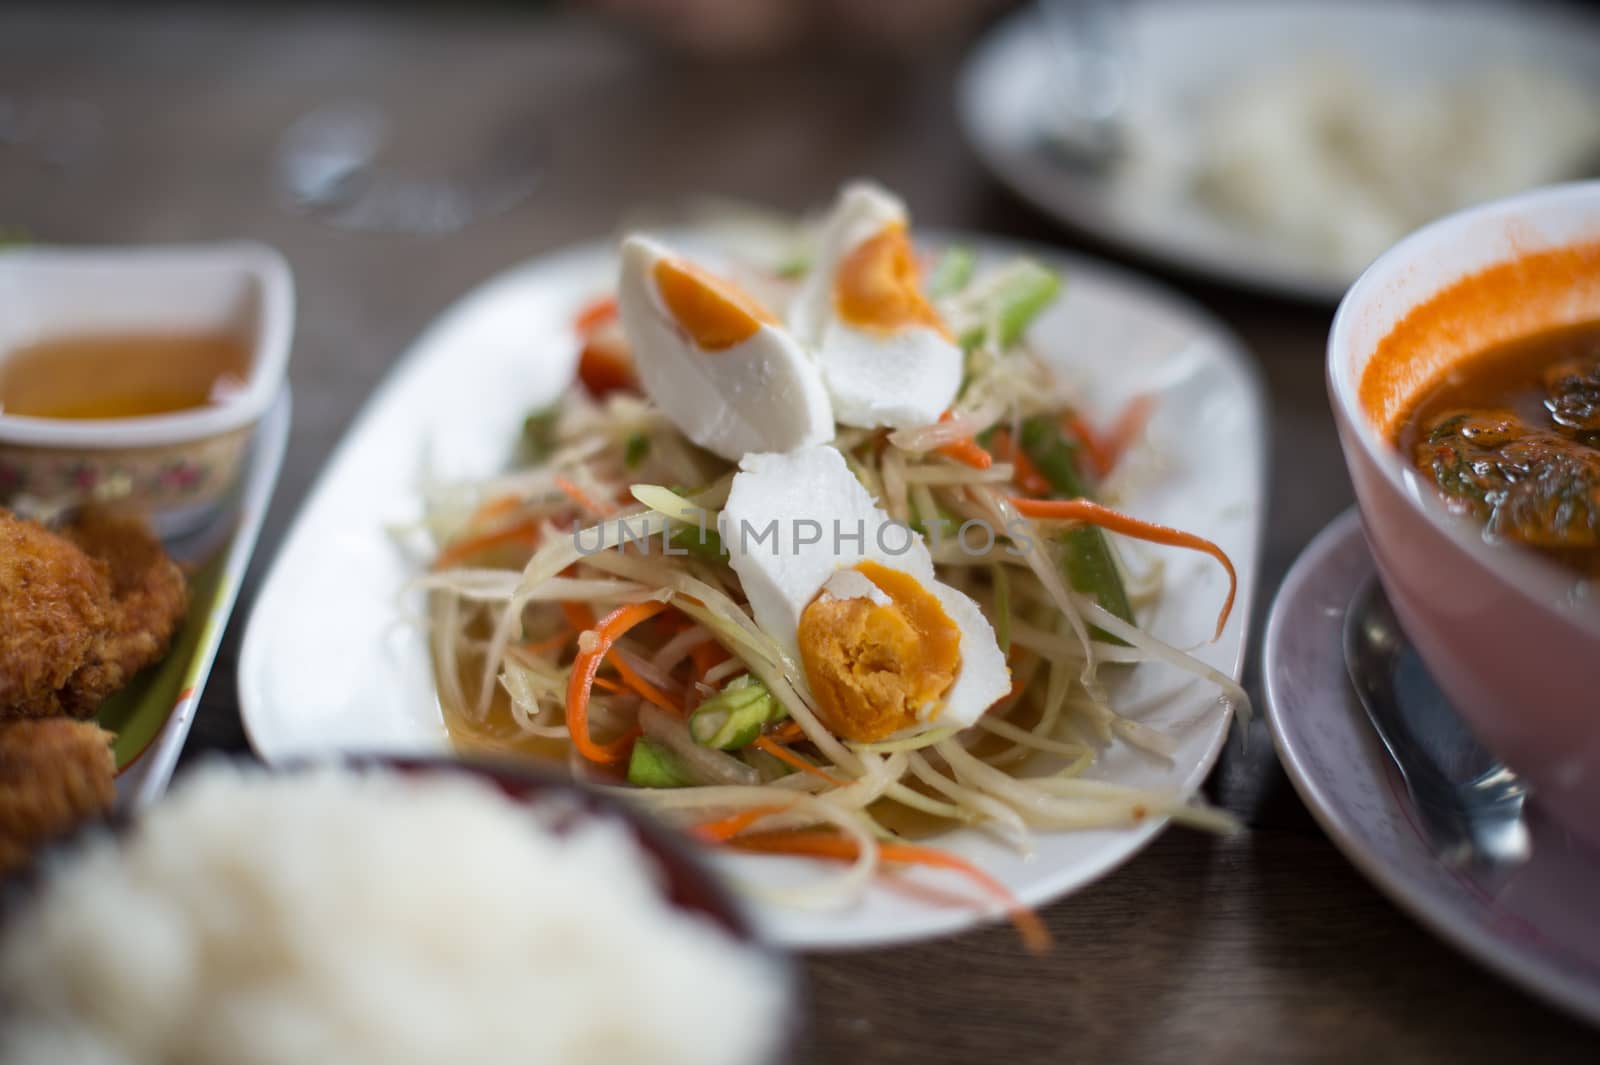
x,y
714,312
876,669
877,286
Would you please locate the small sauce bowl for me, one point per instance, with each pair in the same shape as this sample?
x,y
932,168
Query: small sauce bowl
x,y
1513,639
176,467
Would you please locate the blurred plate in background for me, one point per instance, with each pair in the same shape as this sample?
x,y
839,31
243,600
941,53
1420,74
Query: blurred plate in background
x,y
1249,139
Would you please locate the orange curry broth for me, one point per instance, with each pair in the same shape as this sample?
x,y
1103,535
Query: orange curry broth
x,y
1534,293
1459,387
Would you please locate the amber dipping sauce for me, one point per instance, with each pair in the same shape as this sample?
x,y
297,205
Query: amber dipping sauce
x,y
121,375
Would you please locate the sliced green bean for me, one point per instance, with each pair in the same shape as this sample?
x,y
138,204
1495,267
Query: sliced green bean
x,y
653,766
1013,306
703,542
952,272
538,440
733,718
636,450
1090,565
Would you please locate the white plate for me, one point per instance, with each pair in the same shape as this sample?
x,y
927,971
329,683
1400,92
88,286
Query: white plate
x,y
330,665
225,543
1181,51
1536,924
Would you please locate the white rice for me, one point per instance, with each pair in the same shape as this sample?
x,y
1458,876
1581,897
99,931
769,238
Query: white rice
x,y
334,917
1341,158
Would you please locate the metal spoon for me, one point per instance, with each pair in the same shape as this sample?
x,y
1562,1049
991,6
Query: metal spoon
x,y
1470,804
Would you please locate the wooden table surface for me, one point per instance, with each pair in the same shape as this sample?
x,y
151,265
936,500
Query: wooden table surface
x,y
1264,946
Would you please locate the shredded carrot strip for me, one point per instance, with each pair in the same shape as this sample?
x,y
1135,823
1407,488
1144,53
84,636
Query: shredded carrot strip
x,y
788,757
1035,936
549,643
788,732
1128,426
965,451
523,532
584,668
725,828
1095,514
1025,474
824,844
968,453
1105,450
607,684
647,691
582,498
894,880
578,615
595,314
494,508
1095,450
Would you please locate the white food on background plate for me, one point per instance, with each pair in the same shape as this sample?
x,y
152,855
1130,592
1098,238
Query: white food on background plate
x,y
899,375
1336,158
760,394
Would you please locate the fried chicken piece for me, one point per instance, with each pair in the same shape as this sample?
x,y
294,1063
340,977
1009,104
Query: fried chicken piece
x,y
149,597
55,602
82,611
54,774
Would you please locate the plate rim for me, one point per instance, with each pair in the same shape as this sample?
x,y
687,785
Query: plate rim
x,y
1229,350
390,382
1412,896
157,762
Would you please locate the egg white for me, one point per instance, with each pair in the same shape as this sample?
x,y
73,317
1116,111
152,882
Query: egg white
x,y
896,380
853,584
762,394
779,502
